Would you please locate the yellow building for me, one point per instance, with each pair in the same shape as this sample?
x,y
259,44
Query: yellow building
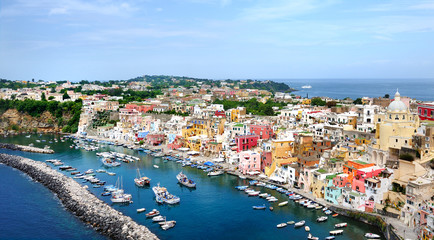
x,y
236,113
395,131
281,153
306,101
195,132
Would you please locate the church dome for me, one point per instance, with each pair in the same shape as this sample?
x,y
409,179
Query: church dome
x,y
397,105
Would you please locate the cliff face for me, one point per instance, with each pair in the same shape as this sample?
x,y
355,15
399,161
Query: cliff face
x,y
10,119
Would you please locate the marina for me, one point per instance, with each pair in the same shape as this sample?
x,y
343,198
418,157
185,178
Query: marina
x,y
211,202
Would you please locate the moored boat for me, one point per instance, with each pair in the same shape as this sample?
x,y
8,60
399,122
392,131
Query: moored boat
x,y
299,224
336,232
340,225
182,179
322,219
281,225
215,173
290,222
307,228
152,213
259,207
163,196
141,181
372,235
158,219
140,210
283,203
311,237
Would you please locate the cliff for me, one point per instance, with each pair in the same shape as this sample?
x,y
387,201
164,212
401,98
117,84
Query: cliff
x,y
14,121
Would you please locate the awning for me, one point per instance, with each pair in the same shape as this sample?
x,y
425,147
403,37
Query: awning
x,y
209,163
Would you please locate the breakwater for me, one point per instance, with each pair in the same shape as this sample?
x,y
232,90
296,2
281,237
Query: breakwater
x,y
25,148
80,201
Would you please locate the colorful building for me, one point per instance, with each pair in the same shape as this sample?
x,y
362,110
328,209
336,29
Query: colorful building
x,y
263,131
249,162
247,142
425,111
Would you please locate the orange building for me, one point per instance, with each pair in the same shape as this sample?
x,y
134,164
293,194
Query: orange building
x,y
352,166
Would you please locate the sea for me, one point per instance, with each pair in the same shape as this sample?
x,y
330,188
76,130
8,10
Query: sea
x,y
419,89
214,210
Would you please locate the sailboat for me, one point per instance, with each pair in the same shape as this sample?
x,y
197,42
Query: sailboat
x,y
119,196
141,181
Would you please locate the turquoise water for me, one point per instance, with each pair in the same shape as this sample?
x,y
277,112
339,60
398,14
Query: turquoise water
x,y
215,210
421,89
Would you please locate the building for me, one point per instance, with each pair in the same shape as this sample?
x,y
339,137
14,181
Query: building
x,y
263,131
246,142
425,111
249,162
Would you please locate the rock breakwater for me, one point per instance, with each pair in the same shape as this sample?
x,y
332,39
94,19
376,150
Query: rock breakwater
x,y
80,201
25,148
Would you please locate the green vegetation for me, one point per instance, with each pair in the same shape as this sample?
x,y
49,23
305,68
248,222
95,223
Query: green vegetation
x,y
58,110
253,106
317,102
128,96
15,84
398,188
321,170
358,101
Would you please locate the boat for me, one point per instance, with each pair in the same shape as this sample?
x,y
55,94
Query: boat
x,y
242,177
335,215
336,232
281,225
340,225
290,222
108,162
152,213
307,228
28,136
158,219
254,193
299,224
111,173
182,179
328,212
140,210
215,173
168,225
156,166
311,237
90,171
371,235
306,86
163,196
141,181
322,219
330,237
271,208
259,207
106,194
283,203
118,196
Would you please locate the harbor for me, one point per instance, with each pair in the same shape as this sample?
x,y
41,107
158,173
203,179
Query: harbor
x,y
206,210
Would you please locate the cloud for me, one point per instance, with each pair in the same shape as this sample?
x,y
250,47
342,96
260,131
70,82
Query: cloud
x,y
55,11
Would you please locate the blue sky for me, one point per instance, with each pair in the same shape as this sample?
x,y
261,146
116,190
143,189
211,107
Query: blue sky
x,y
112,39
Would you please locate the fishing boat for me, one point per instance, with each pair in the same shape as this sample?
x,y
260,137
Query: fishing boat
x,y
163,196
259,207
322,219
152,213
371,235
108,162
311,237
182,179
140,210
118,196
281,225
340,225
283,203
299,224
141,181
336,232
215,173
168,225
307,228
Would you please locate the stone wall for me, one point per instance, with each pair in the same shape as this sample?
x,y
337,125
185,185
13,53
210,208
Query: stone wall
x,y
80,201
25,148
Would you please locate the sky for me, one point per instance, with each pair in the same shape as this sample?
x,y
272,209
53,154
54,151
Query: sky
x,y
218,39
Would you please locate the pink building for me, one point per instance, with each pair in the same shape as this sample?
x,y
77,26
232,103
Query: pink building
x,y
266,160
143,108
249,162
358,183
263,131
341,181
246,142
155,139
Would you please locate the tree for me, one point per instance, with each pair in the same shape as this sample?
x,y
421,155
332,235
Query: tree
x,y
317,102
53,90
268,111
387,95
66,96
43,97
50,97
331,104
358,101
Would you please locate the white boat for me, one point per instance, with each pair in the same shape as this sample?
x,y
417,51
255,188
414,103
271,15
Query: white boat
x,y
156,166
264,195
119,196
322,219
168,224
28,136
281,225
141,181
311,237
306,86
299,224
371,235
152,213
182,179
139,210
111,173
272,200
158,219
336,232
283,203
242,177
307,228
163,196
340,225
254,193
215,173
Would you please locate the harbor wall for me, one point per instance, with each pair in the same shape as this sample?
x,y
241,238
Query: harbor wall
x,y
25,148
86,206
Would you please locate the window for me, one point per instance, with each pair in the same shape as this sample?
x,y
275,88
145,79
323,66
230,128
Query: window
x,y
396,117
403,117
425,112
390,116
396,140
405,141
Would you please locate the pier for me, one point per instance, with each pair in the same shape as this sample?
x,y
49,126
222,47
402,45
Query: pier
x,y
16,147
86,206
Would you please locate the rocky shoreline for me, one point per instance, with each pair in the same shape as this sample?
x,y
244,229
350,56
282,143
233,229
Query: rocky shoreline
x,y
86,206
16,147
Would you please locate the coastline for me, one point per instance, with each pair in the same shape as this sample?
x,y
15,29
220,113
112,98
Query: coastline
x,y
79,201
17,147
